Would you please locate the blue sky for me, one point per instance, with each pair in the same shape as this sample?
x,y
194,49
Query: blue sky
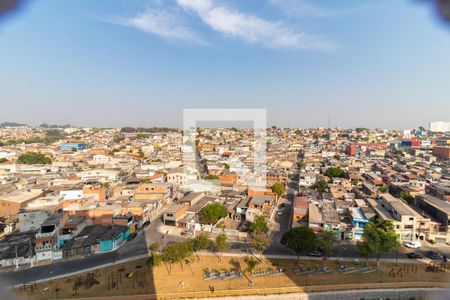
x,y
380,63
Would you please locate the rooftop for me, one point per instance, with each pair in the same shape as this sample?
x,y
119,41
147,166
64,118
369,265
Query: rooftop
x,y
21,196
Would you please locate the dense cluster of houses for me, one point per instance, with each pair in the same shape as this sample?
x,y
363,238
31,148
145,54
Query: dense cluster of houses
x,y
104,185
409,186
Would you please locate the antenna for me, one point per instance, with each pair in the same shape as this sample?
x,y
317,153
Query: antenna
x,y
329,122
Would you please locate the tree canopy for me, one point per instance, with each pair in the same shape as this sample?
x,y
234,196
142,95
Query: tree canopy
x,y
221,243
33,158
200,242
300,239
325,241
334,172
320,186
212,213
259,225
378,237
279,189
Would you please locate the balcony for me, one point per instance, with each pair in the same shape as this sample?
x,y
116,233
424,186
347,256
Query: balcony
x,y
45,234
47,247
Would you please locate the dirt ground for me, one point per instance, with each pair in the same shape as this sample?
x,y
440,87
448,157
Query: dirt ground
x,y
136,279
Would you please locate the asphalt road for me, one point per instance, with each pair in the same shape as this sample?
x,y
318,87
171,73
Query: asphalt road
x,y
130,249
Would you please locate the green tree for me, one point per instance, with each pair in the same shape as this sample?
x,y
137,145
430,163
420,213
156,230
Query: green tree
x,y
212,213
383,189
32,158
325,241
211,177
279,189
2,160
259,225
221,244
302,165
378,237
334,172
300,239
407,197
260,241
251,264
153,260
176,253
154,247
320,186
200,242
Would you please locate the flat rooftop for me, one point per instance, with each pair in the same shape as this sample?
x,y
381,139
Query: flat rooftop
x,y
21,196
444,205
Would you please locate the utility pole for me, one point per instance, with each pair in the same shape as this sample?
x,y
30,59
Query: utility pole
x,y
17,262
31,255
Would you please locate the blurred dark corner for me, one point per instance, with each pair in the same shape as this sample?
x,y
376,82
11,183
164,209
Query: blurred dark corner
x,y
444,9
9,7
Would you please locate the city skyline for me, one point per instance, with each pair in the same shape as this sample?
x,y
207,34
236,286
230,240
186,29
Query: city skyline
x,y
375,64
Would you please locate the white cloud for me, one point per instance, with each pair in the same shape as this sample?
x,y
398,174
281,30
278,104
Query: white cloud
x,y
163,23
251,28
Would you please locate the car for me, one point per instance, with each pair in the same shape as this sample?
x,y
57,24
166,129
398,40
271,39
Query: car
x,y
185,232
413,245
433,255
414,255
131,236
315,253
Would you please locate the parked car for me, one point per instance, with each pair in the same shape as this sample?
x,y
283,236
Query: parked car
x,y
434,255
316,253
131,236
413,245
185,232
414,255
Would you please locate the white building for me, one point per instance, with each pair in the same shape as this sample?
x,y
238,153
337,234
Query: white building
x,y
439,126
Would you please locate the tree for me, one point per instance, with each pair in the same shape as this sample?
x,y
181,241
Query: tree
x,y
212,213
258,234
279,189
260,241
211,177
300,239
325,241
421,128
221,243
2,160
334,172
259,225
154,247
383,189
153,260
378,237
176,253
320,186
200,242
251,263
407,197
32,158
